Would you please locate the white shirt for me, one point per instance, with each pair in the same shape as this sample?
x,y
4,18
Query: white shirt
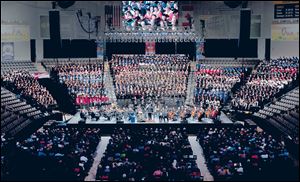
x,y
84,159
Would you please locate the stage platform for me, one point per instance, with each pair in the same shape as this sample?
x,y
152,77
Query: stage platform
x,y
107,126
125,120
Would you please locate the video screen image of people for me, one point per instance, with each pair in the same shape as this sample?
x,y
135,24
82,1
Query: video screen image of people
x,y
150,15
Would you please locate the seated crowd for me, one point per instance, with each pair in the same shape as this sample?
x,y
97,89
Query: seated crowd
x,y
77,77
57,153
152,154
213,86
244,154
150,75
266,82
24,84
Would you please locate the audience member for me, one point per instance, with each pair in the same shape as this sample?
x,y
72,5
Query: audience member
x,y
150,76
85,81
60,153
151,154
242,153
23,83
266,82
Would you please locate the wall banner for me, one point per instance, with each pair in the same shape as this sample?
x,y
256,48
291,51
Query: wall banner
x,y
100,49
150,48
199,50
285,32
7,49
14,33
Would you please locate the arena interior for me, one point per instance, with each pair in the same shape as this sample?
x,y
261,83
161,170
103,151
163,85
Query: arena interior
x,y
150,90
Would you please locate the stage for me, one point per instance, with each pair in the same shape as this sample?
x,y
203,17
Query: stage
x,y
125,120
107,126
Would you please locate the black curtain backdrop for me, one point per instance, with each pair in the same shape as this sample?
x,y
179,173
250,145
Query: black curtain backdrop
x,y
267,49
32,50
76,48
248,49
187,48
165,48
66,48
229,48
79,48
49,49
83,48
124,48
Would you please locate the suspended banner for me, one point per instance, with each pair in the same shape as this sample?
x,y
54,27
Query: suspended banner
x,y
100,49
150,48
199,50
14,33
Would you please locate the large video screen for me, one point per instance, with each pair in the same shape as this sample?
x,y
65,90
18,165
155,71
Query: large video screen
x,y
150,15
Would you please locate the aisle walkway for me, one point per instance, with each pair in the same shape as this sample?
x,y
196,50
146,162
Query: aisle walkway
x,y
109,84
197,150
39,67
190,90
98,155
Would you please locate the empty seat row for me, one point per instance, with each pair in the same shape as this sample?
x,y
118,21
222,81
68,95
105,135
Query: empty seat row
x,y
17,65
295,114
5,115
260,115
291,119
19,106
290,102
277,125
19,127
